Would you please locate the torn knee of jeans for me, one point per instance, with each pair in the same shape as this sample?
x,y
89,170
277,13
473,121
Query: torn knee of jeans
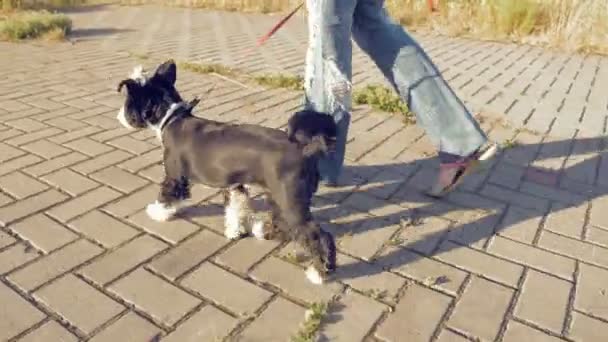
x,y
339,88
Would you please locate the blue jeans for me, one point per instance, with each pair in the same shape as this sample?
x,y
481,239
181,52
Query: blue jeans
x,y
328,86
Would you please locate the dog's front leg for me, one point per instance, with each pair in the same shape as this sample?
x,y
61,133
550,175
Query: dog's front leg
x,y
175,188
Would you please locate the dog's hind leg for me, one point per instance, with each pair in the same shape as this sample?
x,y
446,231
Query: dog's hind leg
x,y
238,212
296,220
175,188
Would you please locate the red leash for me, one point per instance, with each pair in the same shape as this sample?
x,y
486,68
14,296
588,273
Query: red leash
x,y
276,27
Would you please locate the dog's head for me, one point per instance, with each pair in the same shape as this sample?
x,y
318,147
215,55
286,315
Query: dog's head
x,y
148,98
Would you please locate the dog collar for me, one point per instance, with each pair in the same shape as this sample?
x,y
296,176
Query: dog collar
x,y
175,109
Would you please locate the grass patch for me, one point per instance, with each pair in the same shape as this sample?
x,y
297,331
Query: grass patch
x,y
382,98
280,81
209,69
308,330
378,97
572,25
34,24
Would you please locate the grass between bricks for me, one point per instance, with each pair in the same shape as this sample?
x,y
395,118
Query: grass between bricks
x,y
312,322
375,96
22,25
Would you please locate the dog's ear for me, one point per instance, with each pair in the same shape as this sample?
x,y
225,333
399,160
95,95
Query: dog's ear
x,y
166,72
131,85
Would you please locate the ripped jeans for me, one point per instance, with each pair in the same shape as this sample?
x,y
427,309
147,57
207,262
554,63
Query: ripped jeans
x,y
328,87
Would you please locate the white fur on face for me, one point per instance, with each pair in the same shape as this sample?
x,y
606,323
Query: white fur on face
x,y
234,214
123,119
160,212
313,275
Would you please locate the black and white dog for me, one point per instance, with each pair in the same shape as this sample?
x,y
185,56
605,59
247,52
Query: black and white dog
x,y
228,156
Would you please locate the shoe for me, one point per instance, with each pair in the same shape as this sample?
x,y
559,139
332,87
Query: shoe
x,y
452,174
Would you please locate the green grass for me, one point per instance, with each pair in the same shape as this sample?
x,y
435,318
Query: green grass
x,y
209,68
280,81
376,96
382,98
34,24
309,328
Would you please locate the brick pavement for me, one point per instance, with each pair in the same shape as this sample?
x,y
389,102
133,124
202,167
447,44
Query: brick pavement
x,y
519,253
541,90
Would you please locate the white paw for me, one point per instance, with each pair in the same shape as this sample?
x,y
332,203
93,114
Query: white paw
x,y
232,234
314,276
160,212
258,230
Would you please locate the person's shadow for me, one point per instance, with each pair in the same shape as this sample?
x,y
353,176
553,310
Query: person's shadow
x,y
415,209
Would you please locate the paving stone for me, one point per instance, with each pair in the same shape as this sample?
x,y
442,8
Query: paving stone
x,y
83,204
163,301
70,297
43,233
134,202
430,271
226,289
16,314
449,336
50,331
172,231
29,206
15,256
103,228
209,324
598,236
370,279
567,220
591,293
424,236
142,161
416,316
534,257
515,198
18,163
100,162
131,145
122,259
20,186
45,149
242,255
119,179
188,254
500,270
481,309
7,152
283,316
129,327
585,328
6,239
520,224
519,332
293,281
358,315
70,181
535,306
54,264
89,147
26,124
53,164
574,248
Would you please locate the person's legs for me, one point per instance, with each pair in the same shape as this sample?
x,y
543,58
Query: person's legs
x,y
329,72
449,125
